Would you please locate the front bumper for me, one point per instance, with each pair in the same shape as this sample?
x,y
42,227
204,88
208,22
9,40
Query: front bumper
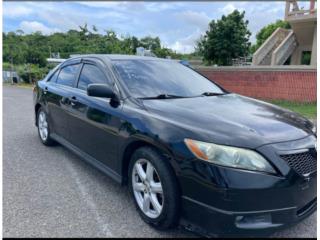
x,y
231,202
210,221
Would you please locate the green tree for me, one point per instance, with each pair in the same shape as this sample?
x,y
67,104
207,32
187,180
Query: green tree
x,y
150,43
266,32
94,28
28,52
226,38
6,66
31,72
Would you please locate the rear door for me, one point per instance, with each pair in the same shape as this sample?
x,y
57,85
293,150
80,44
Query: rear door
x,y
94,124
58,94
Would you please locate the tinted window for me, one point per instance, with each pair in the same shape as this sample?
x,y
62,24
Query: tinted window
x,y
54,76
90,74
150,78
67,75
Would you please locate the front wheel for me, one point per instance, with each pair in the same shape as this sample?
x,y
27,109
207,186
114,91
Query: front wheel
x,y
43,128
154,188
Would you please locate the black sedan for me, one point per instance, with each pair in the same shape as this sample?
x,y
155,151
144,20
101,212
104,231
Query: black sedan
x,y
191,152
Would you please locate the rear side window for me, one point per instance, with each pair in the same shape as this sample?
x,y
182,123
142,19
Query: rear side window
x,y
54,76
91,74
67,75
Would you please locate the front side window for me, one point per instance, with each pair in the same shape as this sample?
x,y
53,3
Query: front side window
x,y
150,78
90,74
67,75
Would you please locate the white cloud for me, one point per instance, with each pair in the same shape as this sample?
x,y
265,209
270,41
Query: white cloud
x,y
177,24
66,17
116,16
13,11
60,20
199,19
262,14
33,26
100,4
137,6
229,8
157,6
129,7
186,44
180,48
115,5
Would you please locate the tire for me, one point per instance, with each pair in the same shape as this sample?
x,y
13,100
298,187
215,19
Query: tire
x,y
45,138
169,199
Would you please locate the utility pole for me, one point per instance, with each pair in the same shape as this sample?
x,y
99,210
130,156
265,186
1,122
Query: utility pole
x,y
11,70
29,72
11,73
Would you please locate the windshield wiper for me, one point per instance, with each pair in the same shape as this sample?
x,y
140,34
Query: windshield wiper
x,y
170,96
163,96
208,94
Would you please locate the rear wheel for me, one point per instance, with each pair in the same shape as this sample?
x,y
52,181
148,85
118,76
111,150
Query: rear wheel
x,y
154,188
43,128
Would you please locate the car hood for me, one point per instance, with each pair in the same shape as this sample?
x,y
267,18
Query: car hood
x,y
231,119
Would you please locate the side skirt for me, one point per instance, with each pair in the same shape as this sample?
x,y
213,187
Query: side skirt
x,y
97,164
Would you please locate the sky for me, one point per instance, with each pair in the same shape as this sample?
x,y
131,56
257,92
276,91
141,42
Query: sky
x,y
178,24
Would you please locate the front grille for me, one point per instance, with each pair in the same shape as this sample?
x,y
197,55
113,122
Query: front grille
x,y
303,163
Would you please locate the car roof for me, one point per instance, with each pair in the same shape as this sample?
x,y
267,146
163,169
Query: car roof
x,y
111,57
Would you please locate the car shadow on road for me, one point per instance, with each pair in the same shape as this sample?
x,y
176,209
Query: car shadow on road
x,y
112,201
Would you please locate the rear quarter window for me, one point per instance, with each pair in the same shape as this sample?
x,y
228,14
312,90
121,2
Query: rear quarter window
x,y
54,76
67,75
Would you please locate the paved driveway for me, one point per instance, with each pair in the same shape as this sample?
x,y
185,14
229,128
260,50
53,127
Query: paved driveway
x,y
50,192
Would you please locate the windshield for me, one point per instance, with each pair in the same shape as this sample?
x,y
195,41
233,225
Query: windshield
x,y
150,78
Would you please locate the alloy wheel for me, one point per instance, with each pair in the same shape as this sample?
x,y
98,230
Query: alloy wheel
x,y
43,126
147,188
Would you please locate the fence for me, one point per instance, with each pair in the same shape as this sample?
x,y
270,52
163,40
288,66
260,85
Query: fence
x,y
292,83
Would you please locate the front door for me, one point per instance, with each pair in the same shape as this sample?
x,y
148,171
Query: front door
x,y
94,125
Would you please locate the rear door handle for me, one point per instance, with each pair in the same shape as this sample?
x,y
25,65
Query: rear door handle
x,y
64,100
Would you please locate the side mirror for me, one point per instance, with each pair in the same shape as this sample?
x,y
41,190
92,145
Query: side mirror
x,y
104,91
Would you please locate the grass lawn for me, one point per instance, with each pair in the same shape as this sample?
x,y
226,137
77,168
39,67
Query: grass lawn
x,y
308,110
24,85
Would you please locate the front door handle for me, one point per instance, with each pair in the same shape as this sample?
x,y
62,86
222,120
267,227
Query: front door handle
x,y
45,90
73,101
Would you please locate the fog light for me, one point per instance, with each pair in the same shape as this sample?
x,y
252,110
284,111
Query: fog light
x,y
253,221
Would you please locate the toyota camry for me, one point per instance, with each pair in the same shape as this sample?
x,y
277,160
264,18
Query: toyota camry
x,y
192,153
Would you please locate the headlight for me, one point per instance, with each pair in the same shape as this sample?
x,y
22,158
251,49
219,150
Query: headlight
x,y
229,156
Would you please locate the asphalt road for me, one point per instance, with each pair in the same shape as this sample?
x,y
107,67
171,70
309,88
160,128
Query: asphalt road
x,y
50,192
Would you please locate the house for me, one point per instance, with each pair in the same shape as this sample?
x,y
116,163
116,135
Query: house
x,y
7,75
295,46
